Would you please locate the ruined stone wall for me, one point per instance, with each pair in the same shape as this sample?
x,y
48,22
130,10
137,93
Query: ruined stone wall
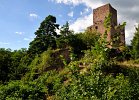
x,y
122,37
99,15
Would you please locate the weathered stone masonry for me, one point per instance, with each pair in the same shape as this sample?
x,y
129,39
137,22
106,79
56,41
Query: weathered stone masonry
x,y
99,15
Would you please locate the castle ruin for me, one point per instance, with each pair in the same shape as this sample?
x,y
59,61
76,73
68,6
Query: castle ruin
x,y
99,15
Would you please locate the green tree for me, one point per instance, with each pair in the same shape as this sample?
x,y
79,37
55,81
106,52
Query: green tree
x,y
89,38
65,31
15,70
65,35
45,36
135,43
5,63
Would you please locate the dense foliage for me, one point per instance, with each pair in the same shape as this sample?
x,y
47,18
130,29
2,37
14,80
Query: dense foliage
x,y
45,36
68,66
135,43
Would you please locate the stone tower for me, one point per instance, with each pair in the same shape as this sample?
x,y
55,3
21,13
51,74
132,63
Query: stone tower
x,y
99,15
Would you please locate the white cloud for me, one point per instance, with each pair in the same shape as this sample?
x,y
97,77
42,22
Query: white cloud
x,y
85,11
29,39
73,2
26,39
88,3
127,11
71,14
4,43
33,15
20,33
82,23
130,30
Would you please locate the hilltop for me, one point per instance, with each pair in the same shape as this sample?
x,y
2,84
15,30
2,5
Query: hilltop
x,y
69,66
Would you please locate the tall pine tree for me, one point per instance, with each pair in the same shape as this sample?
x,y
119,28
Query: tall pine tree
x,y
45,36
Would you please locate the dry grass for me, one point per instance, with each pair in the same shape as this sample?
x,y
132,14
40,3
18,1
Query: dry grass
x,y
130,63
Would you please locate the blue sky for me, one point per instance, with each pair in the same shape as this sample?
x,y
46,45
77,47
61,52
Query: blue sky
x,y
19,19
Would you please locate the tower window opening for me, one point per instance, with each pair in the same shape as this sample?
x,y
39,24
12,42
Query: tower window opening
x,y
96,27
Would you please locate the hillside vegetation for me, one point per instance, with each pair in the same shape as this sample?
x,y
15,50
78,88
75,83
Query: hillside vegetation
x,y
69,66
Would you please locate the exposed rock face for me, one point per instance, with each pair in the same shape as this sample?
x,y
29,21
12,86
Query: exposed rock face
x,y
99,15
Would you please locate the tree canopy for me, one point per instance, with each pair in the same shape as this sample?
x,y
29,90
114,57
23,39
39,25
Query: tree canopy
x,y
135,43
68,66
45,36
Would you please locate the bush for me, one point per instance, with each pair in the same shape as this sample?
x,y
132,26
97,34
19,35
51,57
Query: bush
x,y
20,90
